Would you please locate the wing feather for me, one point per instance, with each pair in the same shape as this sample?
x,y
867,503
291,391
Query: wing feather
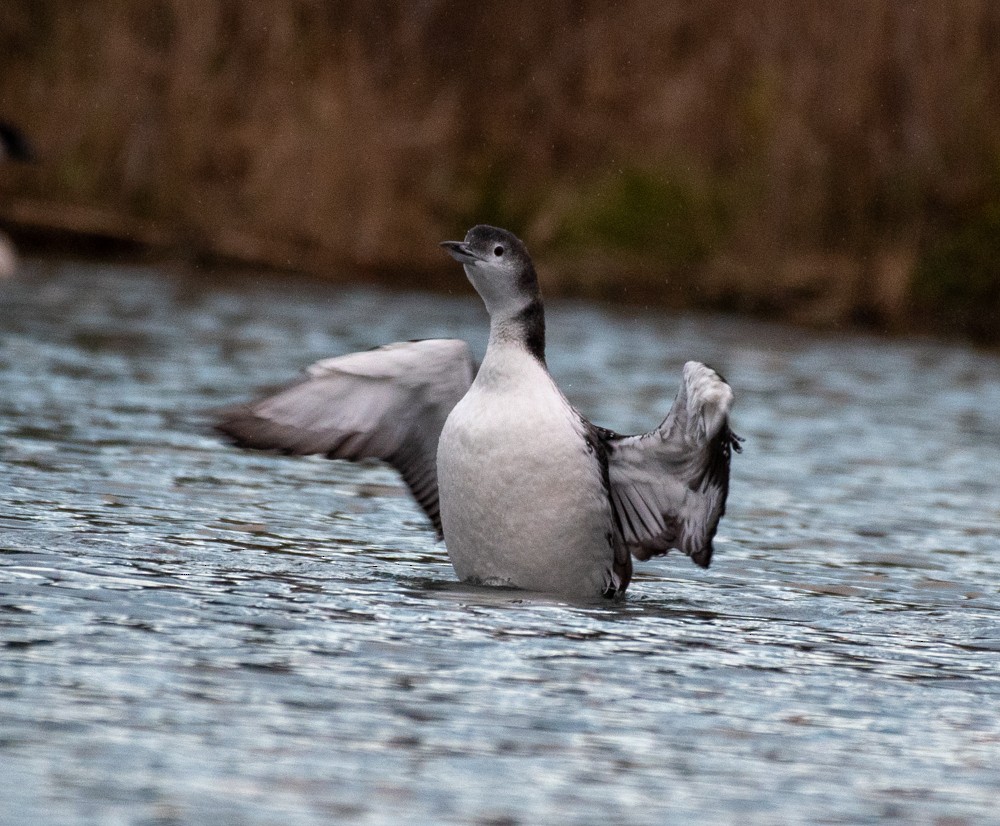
x,y
669,486
389,403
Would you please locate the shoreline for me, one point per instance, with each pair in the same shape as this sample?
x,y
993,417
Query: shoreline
x,y
810,290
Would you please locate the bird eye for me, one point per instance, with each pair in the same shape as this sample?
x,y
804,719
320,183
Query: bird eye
x,y
498,251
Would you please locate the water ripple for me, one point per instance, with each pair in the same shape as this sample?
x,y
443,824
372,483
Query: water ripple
x,y
192,633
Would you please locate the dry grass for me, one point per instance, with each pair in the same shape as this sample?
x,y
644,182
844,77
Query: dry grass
x,y
813,151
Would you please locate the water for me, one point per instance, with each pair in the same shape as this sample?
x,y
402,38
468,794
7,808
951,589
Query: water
x,y
194,634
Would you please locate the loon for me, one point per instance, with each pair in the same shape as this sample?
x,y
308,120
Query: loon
x,y
14,146
522,488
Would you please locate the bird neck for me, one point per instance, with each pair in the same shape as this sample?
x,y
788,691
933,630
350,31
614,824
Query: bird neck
x,y
523,326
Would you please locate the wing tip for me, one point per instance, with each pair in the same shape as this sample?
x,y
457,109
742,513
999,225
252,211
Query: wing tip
x,y
707,382
226,422
240,428
703,557
709,399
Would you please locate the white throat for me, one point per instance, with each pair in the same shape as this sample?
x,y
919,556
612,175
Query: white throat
x,y
503,296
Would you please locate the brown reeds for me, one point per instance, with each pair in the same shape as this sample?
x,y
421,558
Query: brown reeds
x,y
804,159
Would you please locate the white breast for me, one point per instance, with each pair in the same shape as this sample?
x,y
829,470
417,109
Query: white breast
x,y
522,498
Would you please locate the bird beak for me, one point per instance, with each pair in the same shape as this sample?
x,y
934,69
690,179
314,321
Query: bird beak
x,y
460,251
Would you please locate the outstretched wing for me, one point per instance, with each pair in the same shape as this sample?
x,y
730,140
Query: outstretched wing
x,y
669,486
389,403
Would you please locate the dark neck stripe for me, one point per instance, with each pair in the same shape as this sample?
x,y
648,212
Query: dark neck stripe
x,y
530,325
528,280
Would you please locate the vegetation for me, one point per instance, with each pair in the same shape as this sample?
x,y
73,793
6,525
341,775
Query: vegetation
x,y
827,162
958,277
644,213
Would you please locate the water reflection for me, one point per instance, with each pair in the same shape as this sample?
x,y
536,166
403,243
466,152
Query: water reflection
x,y
190,632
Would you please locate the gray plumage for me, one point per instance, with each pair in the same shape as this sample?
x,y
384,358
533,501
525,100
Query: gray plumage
x,y
389,403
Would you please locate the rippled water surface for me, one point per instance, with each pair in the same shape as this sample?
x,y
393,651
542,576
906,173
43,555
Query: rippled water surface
x,y
194,634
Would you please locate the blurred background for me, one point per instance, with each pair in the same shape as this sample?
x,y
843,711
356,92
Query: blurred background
x,y
833,164
195,634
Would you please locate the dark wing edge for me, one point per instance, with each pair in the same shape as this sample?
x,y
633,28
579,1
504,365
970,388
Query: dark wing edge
x,y
389,403
669,486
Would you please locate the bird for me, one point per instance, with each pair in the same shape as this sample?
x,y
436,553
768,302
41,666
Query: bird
x,y
14,146
522,488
